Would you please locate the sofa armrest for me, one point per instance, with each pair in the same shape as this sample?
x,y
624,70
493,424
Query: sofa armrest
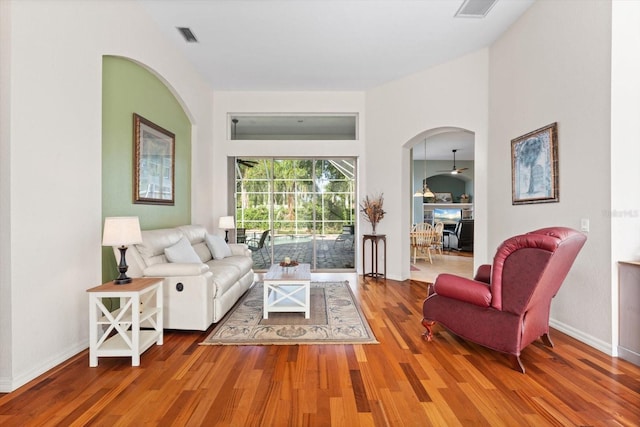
x,y
240,249
462,289
175,269
483,274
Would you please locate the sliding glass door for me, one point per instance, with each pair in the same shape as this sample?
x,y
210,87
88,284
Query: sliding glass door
x,y
301,208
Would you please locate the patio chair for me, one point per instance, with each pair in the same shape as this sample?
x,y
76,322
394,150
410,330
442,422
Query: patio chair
x,y
241,235
257,245
346,238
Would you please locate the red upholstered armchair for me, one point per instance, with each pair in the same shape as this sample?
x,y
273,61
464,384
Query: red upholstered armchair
x,y
506,306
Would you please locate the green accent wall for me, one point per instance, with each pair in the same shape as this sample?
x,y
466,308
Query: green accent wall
x,y
129,88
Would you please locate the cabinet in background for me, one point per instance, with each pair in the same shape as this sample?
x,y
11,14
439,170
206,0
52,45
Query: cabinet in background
x,y
629,311
429,208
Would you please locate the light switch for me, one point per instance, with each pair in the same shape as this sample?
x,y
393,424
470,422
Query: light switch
x,y
584,225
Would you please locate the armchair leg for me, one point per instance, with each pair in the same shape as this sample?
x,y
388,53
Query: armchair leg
x,y
546,340
428,334
516,363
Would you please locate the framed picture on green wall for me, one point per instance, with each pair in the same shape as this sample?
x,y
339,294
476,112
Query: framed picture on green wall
x,y
154,163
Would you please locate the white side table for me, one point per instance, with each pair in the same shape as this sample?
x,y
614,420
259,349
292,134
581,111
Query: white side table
x,y
140,303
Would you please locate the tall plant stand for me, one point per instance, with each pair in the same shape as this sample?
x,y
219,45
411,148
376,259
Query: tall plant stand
x,y
375,240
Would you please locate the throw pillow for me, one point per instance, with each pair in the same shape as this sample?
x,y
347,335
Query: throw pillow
x,y
182,252
218,247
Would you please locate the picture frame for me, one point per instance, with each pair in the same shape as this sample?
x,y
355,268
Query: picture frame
x,y
154,163
443,197
534,166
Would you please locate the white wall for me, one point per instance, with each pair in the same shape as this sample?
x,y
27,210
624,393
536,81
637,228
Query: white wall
x,y
450,95
625,149
5,195
53,137
553,65
226,103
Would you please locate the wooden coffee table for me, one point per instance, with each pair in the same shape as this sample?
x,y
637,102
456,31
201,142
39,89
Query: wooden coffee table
x,y
287,289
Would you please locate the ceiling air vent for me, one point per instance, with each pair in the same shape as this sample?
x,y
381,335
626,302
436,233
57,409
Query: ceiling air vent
x,y
475,8
188,34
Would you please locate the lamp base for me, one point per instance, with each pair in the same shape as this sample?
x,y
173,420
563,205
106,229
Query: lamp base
x,y
122,268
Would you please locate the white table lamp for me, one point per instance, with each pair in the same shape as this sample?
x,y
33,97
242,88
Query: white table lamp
x,y
121,231
226,223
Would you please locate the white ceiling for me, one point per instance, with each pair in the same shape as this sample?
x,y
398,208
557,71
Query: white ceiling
x,y
330,45
324,44
439,146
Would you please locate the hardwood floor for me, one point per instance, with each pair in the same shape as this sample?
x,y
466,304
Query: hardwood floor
x,y
458,263
403,381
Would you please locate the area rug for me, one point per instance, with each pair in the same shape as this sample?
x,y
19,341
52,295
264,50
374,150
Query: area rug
x,y
335,319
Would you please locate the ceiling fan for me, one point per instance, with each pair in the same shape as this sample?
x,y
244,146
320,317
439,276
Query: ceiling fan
x,y
247,163
455,170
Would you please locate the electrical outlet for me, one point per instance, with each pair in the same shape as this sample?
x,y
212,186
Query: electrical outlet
x,y
584,225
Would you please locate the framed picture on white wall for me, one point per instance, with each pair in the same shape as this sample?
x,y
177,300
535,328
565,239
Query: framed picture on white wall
x,y
534,166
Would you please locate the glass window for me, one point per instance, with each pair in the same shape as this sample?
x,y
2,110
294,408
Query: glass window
x,y
308,206
293,127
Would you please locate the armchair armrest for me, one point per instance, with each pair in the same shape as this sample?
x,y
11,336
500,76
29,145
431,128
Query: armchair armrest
x,y
471,291
175,269
483,274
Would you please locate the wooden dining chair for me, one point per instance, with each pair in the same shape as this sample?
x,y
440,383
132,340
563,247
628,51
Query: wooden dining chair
x,y
439,236
422,240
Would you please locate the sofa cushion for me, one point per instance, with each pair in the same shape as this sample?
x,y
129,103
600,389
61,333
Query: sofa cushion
x,y
196,234
218,247
154,242
224,277
175,269
203,251
241,262
182,252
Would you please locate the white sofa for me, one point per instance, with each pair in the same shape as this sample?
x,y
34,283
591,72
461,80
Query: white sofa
x,y
199,292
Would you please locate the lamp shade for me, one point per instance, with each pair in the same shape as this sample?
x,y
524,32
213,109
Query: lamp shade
x,y
426,192
226,223
121,231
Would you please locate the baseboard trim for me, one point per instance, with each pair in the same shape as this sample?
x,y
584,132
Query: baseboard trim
x,y
590,340
7,385
629,355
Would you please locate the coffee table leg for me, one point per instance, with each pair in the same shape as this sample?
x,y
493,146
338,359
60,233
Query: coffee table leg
x,y
307,291
266,302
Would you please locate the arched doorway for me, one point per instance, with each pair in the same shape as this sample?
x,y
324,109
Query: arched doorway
x,y
443,159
